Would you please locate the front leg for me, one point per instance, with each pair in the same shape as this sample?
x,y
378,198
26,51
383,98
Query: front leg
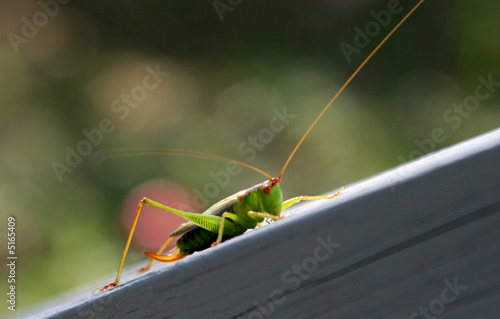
x,y
237,221
296,200
264,215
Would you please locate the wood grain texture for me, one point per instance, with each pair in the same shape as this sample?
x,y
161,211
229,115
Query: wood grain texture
x,y
420,240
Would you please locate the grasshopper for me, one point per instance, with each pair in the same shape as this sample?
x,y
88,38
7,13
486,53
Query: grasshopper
x,y
233,215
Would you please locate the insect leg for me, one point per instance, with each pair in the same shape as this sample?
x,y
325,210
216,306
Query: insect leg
x,y
263,215
127,245
208,222
149,202
295,200
223,230
159,252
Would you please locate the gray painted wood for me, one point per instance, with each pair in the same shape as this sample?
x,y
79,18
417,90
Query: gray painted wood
x,y
420,240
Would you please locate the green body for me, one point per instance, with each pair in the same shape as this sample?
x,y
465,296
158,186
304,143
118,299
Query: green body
x,y
241,211
228,218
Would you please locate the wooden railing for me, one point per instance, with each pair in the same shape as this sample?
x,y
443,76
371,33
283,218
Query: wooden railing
x,y
419,241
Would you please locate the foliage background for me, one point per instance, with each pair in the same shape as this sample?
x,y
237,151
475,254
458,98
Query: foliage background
x,y
225,79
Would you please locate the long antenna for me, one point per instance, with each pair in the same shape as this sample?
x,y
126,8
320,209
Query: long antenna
x,y
101,156
346,84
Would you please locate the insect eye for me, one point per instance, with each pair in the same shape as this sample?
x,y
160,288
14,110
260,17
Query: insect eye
x,y
267,189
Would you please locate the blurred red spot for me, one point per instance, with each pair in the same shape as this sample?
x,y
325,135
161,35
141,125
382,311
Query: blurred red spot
x,y
155,225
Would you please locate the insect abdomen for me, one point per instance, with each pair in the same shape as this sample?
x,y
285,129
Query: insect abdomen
x,y
196,240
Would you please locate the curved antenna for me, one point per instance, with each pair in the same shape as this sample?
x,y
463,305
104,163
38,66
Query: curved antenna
x,y
346,84
103,155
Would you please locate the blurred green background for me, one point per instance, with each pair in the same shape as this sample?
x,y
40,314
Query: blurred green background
x,y
226,81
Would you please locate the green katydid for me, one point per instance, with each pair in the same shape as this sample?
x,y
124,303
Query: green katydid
x,y
237,213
